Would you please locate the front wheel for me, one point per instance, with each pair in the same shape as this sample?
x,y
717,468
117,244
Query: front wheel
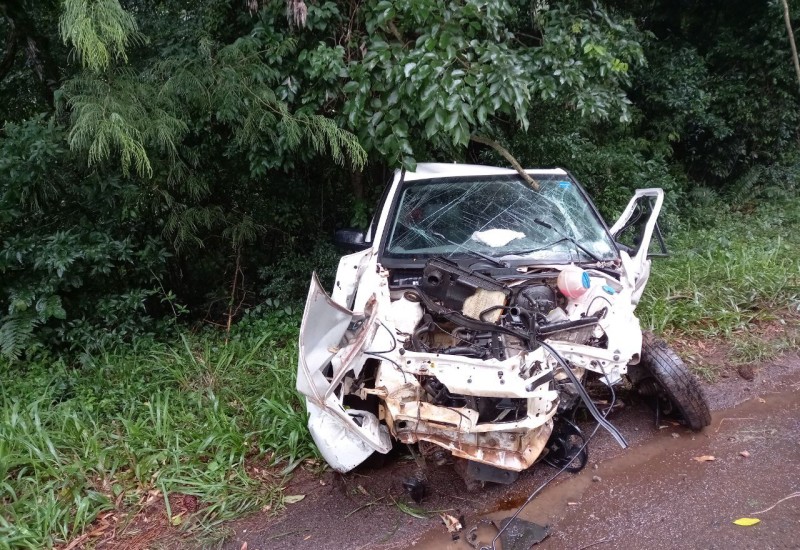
x,y
663,376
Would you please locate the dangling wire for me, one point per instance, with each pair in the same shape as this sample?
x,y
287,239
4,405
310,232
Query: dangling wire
x,y
559,472
379,354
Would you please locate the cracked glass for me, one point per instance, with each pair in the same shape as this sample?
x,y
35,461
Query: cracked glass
x,y
498,216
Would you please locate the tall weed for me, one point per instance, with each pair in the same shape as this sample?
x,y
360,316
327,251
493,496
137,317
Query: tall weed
x,y
738,268
185,418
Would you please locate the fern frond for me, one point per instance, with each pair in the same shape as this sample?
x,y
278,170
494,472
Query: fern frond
x,y
15,333
242,230
324,135
183,224
99,30
118,116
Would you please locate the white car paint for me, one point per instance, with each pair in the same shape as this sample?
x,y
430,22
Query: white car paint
x,y
361,294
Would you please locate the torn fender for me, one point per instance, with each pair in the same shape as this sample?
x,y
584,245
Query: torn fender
x,y
332,340
342,447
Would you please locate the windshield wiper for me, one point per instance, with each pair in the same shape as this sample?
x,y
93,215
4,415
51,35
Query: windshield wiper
x,y
566,238
537,249
472,252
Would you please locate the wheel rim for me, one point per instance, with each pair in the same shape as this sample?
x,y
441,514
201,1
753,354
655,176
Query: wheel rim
x,y
657,397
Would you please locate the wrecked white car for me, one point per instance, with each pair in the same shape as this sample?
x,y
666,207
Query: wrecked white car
x,y
469,322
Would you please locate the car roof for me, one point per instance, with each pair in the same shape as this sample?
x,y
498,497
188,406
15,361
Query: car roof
x,y
432,170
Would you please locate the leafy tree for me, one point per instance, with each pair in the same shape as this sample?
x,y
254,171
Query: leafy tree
x,y
73,253
418,79
164,159
719,89
30,71
140,187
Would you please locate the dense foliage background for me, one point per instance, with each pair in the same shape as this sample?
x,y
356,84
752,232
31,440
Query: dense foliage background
x,y
174,160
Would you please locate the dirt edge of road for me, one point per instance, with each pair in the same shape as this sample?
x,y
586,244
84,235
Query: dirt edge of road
x,y
369,508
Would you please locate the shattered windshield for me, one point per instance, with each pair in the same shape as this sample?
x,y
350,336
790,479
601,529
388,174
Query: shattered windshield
x,y
498,216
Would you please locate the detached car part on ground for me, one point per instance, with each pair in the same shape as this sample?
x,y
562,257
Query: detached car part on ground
x,y
473,316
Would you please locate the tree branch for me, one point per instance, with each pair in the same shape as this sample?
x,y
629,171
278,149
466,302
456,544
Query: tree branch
x,y
508,156
788,22
394,31
37,47
11,50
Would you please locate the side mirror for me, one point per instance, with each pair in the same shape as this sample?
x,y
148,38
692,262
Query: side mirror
x,y
350,239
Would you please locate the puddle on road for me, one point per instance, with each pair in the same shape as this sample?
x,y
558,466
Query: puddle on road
x,y
552,503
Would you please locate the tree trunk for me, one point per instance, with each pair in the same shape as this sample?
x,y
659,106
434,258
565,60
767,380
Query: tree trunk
x,y
37,48
788,21
10,51
357,184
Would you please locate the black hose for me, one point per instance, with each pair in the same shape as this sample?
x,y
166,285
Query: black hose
x,y
489,310
560,326
462,320
416,343
587,400
559,472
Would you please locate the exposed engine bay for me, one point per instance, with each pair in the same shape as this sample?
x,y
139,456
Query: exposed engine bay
x,y
467,314
473,315
474,364
461,313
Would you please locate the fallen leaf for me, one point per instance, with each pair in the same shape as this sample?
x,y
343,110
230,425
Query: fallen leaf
x,y
452,524
746,522
363,491
704,458
176,520
412,511
745,454
291,499
244,546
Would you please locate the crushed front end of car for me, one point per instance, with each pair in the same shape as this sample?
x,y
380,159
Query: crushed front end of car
x,y
469,328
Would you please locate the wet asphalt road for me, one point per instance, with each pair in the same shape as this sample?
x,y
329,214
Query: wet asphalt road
x,y
657,496
651,495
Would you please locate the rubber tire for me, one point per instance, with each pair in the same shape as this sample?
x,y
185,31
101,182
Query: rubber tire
x,y
682,387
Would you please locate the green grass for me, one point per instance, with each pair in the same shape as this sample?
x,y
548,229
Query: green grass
x,y
736,270
755,348
184,418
